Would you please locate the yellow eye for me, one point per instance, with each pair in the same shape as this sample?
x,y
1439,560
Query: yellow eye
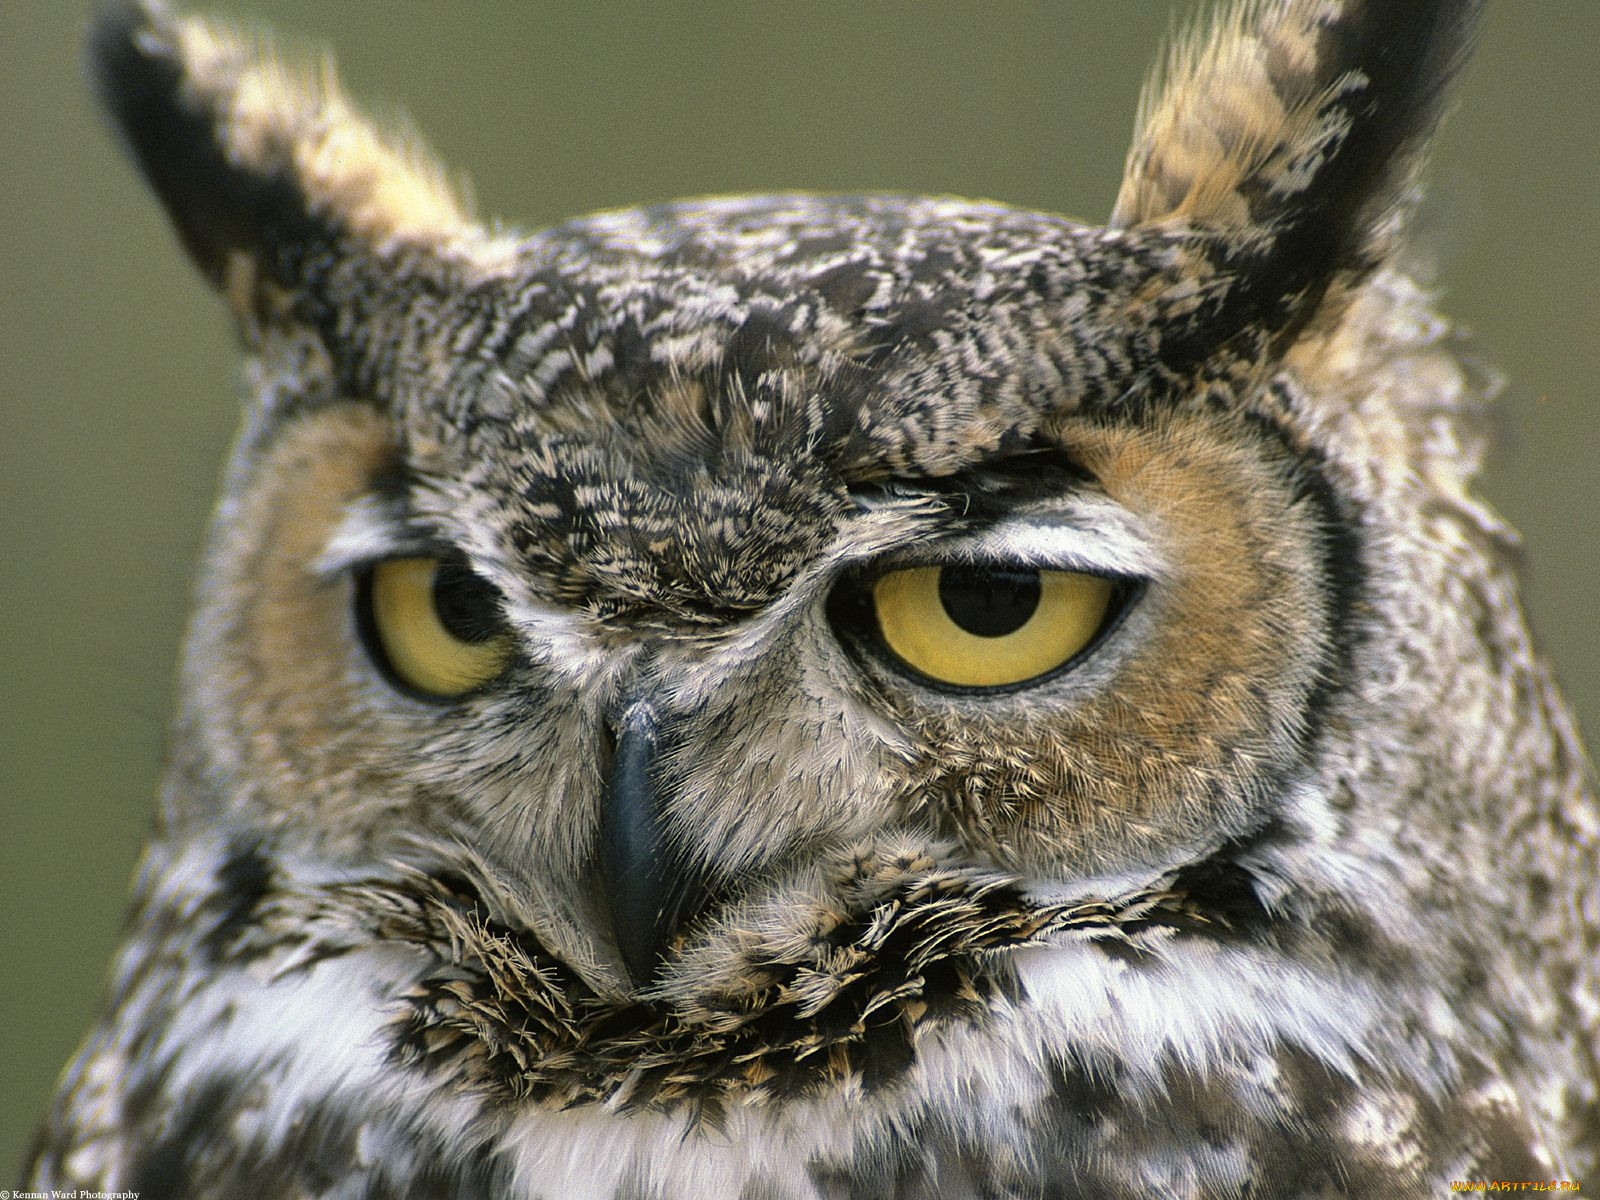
x,y
986,626
434,627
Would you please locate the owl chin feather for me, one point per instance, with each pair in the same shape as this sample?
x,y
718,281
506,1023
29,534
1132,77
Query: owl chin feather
x,y
797,697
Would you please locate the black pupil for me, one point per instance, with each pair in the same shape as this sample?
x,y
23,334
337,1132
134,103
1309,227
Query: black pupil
x,y
989,601
468,608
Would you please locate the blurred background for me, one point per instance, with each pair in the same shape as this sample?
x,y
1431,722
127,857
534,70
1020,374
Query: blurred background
x,y
118,369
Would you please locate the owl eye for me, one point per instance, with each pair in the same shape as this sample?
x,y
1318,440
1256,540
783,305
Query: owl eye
x,y
987,626
432,626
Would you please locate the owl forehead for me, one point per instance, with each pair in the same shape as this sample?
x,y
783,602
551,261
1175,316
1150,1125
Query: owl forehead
x,y
672,406
887,335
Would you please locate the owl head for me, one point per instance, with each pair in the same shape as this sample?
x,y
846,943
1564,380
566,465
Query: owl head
x,y
735,646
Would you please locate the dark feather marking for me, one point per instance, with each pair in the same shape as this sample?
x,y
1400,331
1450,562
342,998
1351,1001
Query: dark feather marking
x,y
164,1168
201,1153
244,879
1095,1139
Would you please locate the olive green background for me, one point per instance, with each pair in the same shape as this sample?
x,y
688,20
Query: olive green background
x,y
117,368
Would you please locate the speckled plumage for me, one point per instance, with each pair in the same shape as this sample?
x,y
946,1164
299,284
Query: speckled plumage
x,y
1283,887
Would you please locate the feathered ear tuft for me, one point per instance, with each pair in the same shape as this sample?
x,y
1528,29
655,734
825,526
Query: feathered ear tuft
x,y
1293,130
251,158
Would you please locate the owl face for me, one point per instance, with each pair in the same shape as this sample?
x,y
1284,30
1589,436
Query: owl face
x,y
768,688
727,610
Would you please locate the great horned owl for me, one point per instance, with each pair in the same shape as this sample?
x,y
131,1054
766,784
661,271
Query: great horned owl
x,y
795,697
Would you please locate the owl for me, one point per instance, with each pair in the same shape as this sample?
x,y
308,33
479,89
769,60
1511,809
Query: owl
x,y
837,698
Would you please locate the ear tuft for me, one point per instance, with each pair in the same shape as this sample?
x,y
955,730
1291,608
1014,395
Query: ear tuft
x,y
249,156
1293,131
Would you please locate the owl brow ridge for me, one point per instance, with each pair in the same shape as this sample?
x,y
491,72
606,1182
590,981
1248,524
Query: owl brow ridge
x,y
1003,478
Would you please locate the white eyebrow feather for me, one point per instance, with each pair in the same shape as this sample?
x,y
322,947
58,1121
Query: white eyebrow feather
x,y
1085,531
1088,534
370,530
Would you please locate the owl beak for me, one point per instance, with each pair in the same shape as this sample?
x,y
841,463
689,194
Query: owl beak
x,y
651,890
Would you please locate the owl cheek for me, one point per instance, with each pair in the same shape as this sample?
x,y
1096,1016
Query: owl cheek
x,y
270,693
